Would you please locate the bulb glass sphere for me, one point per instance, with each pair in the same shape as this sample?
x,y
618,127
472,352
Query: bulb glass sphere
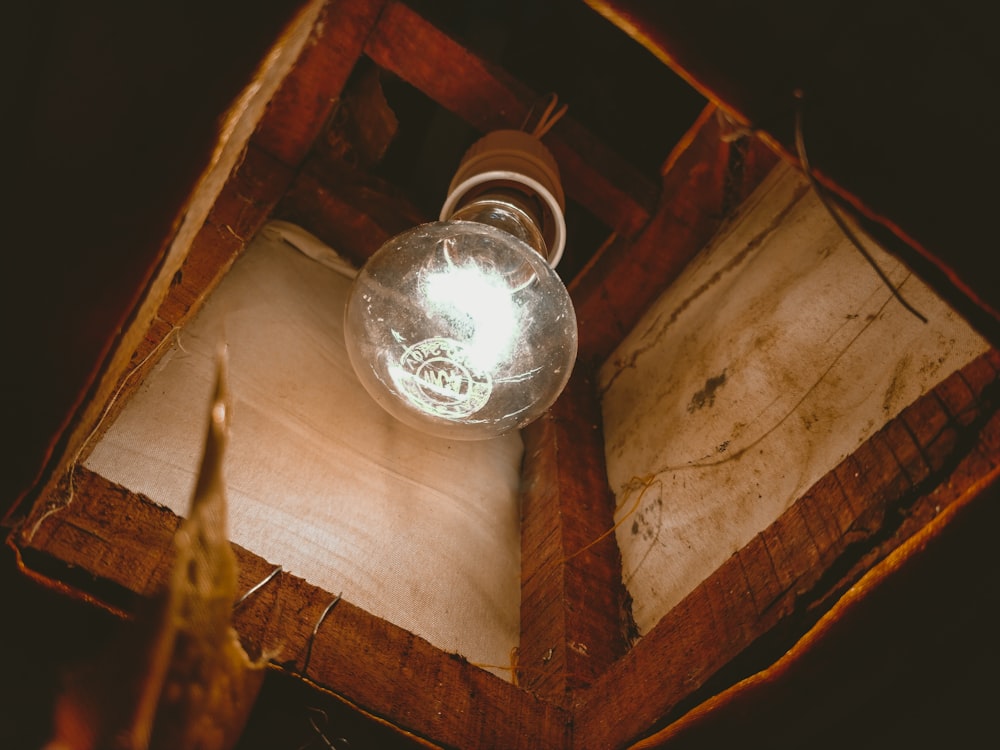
x,y
461,330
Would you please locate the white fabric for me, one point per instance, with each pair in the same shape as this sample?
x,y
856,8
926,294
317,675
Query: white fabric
x,y
420,531
773,357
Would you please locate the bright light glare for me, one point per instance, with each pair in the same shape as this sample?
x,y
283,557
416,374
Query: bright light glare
x,y
480,301
460,329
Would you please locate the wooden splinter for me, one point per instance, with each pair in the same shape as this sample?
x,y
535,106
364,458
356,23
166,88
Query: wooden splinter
x,y
179,678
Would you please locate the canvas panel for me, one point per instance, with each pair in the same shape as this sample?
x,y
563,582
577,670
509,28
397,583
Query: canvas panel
x,y
773,357
420,531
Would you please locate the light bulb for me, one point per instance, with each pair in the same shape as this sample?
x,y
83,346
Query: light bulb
x,y
461,329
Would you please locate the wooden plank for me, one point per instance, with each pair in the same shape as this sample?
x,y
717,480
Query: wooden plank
x,y
118,544
489,99
703,179
572,597
982,372
348,209
243,206
762,579
928,422
947,445
852,518
303,105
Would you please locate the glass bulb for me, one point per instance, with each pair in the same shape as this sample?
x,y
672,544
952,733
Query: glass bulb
x,y
461,330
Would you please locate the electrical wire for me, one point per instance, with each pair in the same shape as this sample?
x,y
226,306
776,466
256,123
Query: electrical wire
x,y
800,147
547,119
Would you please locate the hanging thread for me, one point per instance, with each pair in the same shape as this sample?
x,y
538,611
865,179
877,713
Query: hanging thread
x,y
258,586
315,631
549,117
636,483
71,469
800,147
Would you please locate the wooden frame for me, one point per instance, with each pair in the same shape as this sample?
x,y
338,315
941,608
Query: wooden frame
x,y
581,681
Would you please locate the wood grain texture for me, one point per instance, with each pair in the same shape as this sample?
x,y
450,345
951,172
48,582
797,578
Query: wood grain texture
x,y
244,204
572,597
293,119
349,210
302,106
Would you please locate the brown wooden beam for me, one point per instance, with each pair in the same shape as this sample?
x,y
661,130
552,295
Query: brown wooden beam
x,y
293,119
489,99
115,543
706,176
242,207
573,620
350,210
775,587
303,105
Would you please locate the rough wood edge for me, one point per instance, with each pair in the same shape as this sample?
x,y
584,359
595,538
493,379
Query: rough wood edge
x,y
302,106
116,545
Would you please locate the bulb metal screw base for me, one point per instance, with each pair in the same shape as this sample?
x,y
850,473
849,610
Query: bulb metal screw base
x,y
513,160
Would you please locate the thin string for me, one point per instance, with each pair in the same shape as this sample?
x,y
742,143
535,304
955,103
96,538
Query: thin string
x,y
641,483
258,586
800,146
71,470
516,669
315,631
332,744
513,667
549,117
